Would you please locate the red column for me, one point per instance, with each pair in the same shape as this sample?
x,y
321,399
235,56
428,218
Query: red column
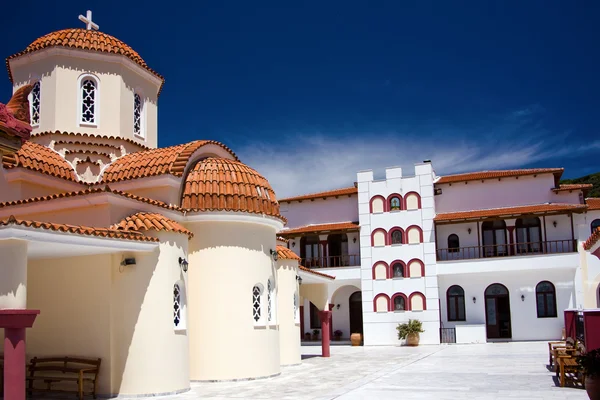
x,y
14,323
570,323
325,317
331,321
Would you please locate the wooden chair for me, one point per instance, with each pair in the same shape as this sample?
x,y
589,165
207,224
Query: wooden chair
x,y
58,374
567,367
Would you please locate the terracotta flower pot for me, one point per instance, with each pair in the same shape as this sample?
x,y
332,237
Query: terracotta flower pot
x,y
356,339
592,387
412,339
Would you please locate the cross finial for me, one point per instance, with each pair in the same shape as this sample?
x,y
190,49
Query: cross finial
x,y
89,24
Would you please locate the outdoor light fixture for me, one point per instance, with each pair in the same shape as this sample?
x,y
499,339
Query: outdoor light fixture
x,y
299,279
337,307
522,297
554,223
274,254
293,244
474,299
354,240
469,230
183,264
128,261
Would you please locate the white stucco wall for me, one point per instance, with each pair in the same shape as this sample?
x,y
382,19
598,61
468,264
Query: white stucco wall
x,y
226,260
341,317
13,270
320,211
289,329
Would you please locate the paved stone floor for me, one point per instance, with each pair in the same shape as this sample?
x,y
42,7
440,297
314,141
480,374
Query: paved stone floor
x,y
487,371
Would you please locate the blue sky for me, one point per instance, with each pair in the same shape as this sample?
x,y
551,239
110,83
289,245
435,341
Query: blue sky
x,y
309,92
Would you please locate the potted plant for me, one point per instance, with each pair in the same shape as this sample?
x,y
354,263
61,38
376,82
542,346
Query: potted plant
x,y
410,331
315,335
337,334
306,335
590,367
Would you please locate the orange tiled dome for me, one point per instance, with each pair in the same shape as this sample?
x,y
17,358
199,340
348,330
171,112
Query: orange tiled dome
x,y
219,184
84,39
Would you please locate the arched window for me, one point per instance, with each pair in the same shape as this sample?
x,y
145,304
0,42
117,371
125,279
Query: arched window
x,y
381,303
494,238
378,237
397,237
34,104
138,109
88,98
417,302
453,243
455,299
546,300
414,234
529,235
271,302
296,313
416,268
179,306
412,201
595,225
377,204
395,203
256,306
398,270
380,270
399,302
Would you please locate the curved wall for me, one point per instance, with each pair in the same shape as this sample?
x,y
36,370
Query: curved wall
x,y
289,330
226,260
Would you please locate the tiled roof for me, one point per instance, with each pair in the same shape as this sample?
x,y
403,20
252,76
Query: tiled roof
x,y
339,226
574,186
85,39
330,193
219,184
310,271
69,135
40,158
78,230
166,160
593,203
85,192
592,240
143,221
286,254
507,211
282,239
475,176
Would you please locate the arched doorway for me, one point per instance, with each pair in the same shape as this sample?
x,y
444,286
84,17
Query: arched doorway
x,y
356,320
494,238
337,245
497,312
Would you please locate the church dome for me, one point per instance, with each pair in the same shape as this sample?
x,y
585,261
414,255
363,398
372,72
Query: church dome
x,y
219,184
84,39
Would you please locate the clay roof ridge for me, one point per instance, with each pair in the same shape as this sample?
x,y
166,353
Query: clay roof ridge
x,y
284,253
91,135
315,272
157,221
492,174
592,240
79,230
327,193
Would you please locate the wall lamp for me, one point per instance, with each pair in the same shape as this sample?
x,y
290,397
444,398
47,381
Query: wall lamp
x,y
293,244
183,264
522,297
474,299
354,240
299,279
338,306
274,254
128,261
554,223
469,230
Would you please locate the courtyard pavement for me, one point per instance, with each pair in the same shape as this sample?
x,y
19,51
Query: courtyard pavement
x,y
486,371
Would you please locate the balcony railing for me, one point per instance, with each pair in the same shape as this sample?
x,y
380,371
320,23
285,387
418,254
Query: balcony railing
x,y
507,250
331,261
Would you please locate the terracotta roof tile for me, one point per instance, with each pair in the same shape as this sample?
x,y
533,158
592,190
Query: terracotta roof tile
x,y
40,158
310,271
143,221
330,193
166,160
338,226
507,211
85,39
70,135
86,192
282,239
592,240
593,203
218,184
78,230
575,186
475,176
286,254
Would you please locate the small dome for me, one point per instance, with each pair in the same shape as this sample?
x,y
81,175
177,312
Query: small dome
x,y
85,39
219,184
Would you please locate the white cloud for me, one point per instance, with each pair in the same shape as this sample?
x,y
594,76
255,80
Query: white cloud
x,y
310,162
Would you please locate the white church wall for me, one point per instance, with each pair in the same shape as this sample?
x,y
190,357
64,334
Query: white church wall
x,y
340,317
288,312
320,211
525,324
491,193
227,259
142,315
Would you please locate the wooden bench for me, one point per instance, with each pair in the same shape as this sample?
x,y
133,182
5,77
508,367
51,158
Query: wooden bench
x,y
60,374
552,347
567,368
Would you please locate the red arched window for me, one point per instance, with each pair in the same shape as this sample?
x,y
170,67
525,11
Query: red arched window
x,y
394,202
396,236
381,303
399,302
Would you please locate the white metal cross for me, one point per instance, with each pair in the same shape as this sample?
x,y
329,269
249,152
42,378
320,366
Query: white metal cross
x,y
88,21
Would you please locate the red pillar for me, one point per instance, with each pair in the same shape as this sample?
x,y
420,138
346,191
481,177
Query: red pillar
x,y
325,317
14,323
